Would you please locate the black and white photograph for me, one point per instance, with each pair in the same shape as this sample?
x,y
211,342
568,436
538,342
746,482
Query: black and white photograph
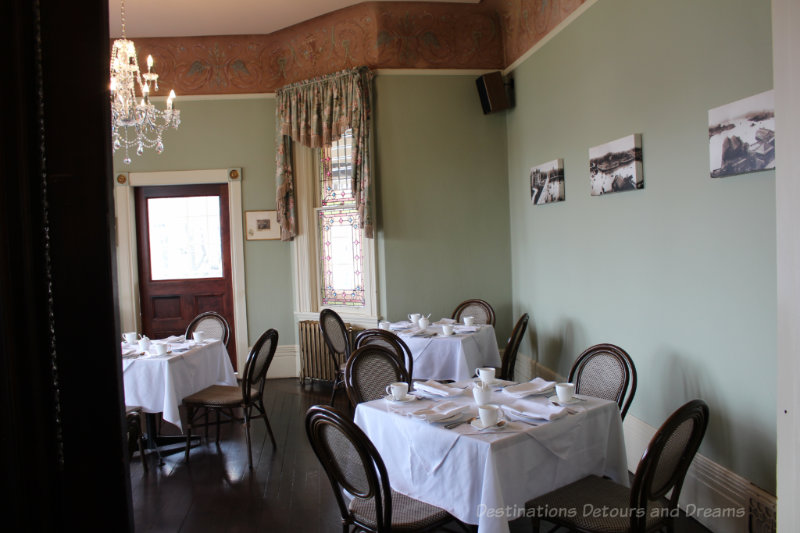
x,y
547,182
741,136
616,166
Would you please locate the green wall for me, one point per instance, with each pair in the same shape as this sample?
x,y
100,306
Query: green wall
x,y
227,133
682,273
442,198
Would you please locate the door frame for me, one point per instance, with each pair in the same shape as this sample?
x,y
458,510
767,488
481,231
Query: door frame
x,y
126,253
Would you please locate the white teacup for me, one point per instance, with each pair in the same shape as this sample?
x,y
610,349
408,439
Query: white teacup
x,y
468,320
482,393
130,337
486,374
397,390
414,317
423,323
489,414
565,391
199,336
447,329
158,348
383,324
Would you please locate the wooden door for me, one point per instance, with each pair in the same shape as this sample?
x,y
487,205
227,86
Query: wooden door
x,y
183,236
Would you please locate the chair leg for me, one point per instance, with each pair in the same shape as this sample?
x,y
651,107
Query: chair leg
x,y
216,413
247,436
189,416
260,407
206,420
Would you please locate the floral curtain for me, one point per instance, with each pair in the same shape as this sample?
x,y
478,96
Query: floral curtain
x,y
315,113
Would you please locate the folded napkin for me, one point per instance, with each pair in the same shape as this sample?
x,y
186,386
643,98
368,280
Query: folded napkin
x,y
466,329
438,389
405,324
128,351
438,412
532,409
443,321
175,338
535,386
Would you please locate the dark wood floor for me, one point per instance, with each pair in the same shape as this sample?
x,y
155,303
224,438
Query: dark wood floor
x,y
286,491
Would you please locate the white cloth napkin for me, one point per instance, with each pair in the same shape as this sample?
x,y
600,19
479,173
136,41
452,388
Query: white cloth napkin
x,y
405,324
532,409
535,386
175,338
443,321
466,329
438,412
128,351
438,389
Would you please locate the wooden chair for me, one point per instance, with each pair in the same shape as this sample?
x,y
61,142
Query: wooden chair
x,y
390,340
133,419
481,310
247,396
338,342
512,347
643,507
605,371
212,324
354,465
369,370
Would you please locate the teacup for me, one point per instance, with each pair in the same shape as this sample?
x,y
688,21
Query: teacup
x,y
414,317
199,336
383,324
397,390
130,337
564,391
423,323
468,320
489,414
447,329
158,348
486,374
482,393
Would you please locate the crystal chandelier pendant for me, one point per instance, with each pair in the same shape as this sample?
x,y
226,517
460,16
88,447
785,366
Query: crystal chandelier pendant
x,y
136,123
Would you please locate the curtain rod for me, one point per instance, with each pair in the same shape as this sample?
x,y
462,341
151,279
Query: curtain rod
x,y
326,77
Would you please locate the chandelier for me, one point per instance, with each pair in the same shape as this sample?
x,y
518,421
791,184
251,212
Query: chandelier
x,y
135,123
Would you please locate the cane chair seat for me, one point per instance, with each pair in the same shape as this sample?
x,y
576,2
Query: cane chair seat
x,y
408,514
652,500
220,396
480,309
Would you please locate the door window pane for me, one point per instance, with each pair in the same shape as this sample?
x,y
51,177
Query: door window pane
x,y
185,237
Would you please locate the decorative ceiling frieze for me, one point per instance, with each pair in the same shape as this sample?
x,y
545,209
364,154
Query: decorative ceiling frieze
x,y
386,35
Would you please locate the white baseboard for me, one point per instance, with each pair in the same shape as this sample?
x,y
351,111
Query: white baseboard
x,y
286,363
718,498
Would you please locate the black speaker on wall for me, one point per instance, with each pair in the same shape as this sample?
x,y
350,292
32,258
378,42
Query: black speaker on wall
x,y
494,93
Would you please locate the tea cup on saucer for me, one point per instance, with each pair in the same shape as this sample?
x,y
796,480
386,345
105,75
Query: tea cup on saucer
x,y
565,392
447,329
397,390
486,374
468,320
489,414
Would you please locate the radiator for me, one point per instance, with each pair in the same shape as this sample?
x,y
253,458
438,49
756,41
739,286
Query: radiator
x,y
315,357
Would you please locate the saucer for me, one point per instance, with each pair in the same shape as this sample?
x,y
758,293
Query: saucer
x,y
408,398
555,400
477,424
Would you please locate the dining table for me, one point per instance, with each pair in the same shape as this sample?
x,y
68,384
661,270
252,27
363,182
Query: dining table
x,y
485,475
159,383
451,357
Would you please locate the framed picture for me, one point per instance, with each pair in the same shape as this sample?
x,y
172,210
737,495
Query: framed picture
x,y
616,166
547,182
741,136
262,225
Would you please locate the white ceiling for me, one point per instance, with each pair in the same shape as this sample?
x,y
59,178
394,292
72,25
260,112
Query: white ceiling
x,y
182,18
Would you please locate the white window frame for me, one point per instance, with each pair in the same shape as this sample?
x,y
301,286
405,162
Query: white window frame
x,y
308,296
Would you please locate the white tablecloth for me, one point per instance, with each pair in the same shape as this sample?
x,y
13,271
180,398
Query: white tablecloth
x,y
454,357
485,478
158,384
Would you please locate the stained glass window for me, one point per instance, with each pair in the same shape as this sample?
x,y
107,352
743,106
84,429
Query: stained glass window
x,y
341,255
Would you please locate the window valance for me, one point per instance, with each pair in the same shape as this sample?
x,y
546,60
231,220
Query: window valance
x,y
314,113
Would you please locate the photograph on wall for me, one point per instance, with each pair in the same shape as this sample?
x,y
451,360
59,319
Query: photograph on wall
x,y
616,166
262,225
741,136
547,183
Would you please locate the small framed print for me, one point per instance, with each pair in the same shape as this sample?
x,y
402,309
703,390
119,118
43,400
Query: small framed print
x,y
262,225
